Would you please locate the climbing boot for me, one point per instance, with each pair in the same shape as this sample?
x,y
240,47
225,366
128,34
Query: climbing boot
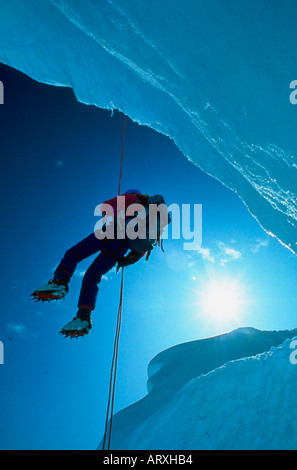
x,y
79,326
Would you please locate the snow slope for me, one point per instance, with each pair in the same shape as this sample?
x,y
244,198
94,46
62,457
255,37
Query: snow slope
x,y
233,391
212,75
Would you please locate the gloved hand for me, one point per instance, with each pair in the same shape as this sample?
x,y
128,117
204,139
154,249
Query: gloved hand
x,y
130,258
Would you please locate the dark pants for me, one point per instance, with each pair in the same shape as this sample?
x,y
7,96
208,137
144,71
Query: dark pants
x,y
110,250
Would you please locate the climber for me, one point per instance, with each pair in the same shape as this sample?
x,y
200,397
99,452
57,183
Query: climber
x,y
112,252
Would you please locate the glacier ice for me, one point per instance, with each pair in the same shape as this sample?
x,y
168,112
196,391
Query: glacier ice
x,y
214,76
232,391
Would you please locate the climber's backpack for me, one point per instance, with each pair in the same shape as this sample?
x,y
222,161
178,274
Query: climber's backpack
x,y
144,230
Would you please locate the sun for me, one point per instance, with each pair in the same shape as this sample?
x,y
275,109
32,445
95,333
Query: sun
x,y
222,300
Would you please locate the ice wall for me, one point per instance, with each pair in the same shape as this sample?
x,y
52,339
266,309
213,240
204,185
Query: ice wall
x,y
212,75
232,391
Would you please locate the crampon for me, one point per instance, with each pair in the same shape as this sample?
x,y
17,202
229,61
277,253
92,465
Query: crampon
x,y
53,290
74,334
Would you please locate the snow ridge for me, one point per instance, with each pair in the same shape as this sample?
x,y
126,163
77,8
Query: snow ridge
x,y
194,393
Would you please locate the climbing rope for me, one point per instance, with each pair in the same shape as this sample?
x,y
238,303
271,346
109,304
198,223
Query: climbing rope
x,y
114,363
122,155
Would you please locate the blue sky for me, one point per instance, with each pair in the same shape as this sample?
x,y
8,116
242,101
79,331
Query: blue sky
x,y
59,159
